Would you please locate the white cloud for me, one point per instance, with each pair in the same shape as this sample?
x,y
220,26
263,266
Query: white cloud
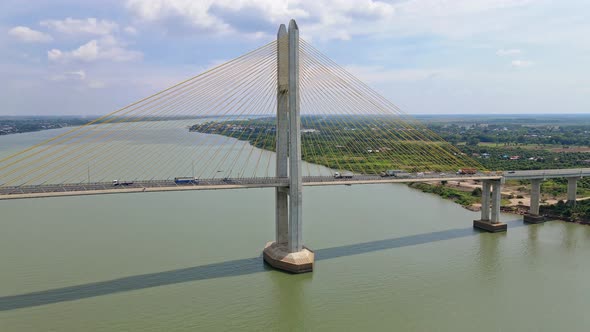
x,y
90,26
521,63
195,12
27,34
54,54
208,13
79,75
130,30
107,48
379,74
79,80
331,19
508,52
96,85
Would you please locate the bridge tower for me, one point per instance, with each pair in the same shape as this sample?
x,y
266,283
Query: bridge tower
x,y
287,251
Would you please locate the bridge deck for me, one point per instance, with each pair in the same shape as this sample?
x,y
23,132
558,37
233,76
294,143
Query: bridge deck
x,y
547,173
99,188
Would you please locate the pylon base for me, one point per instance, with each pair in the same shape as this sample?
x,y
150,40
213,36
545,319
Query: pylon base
x,y
279,257
533,219
487,225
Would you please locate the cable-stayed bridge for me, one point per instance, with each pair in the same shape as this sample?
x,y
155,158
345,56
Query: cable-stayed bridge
x,y
282,116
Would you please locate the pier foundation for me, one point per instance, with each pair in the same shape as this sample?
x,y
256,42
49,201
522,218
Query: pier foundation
x,y
487,223
279,257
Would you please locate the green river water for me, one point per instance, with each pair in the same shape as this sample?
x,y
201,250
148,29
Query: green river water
x,y
388,258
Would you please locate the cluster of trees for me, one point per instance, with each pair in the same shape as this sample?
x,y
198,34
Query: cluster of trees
x,y
513,134
579,212
498,158
13,125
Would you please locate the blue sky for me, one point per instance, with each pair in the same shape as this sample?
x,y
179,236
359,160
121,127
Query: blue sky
x,y
427,56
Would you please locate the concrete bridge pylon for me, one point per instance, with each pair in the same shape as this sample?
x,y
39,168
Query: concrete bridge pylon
x,y
287,251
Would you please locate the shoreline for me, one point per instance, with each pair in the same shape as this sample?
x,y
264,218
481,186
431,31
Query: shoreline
x,y
515,207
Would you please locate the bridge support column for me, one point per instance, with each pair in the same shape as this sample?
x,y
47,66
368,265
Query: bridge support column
x,y
282,136
533,216
572,188
486,223
287,252
485,200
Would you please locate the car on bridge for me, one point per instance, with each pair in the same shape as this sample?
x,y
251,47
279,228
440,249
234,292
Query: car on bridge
x,y
122,183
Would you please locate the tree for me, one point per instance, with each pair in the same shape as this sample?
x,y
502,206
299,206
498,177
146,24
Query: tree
x,y
472,141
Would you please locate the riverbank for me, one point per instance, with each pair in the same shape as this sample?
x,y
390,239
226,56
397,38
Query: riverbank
x,y
515,200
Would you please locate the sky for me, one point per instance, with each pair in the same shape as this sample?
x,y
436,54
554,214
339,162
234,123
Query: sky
x,y
72,57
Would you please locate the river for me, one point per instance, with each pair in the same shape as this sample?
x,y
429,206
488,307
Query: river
x,y
387,258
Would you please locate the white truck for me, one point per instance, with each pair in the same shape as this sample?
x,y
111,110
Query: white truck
x,y
345,175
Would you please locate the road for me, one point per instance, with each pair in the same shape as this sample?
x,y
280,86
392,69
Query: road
x,y
96,188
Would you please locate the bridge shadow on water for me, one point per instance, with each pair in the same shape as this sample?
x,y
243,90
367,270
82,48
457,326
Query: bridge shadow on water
x,y
218,270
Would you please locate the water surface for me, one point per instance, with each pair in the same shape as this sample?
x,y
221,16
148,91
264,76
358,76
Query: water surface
x,y
388,258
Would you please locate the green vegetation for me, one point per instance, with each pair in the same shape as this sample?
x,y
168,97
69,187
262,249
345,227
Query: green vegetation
x,y
464,198
517,142
499,158
556,187
361,144
513,130
22,124
460,197
370,145
579,212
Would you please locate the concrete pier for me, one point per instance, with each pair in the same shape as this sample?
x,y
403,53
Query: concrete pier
x,y
487,223
295,180
282,134
287,251
533,216
572,188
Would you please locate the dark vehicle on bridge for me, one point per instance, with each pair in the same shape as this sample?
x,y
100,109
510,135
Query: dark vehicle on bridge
x,y
229,180
122,183
391,172
186,180
395,173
